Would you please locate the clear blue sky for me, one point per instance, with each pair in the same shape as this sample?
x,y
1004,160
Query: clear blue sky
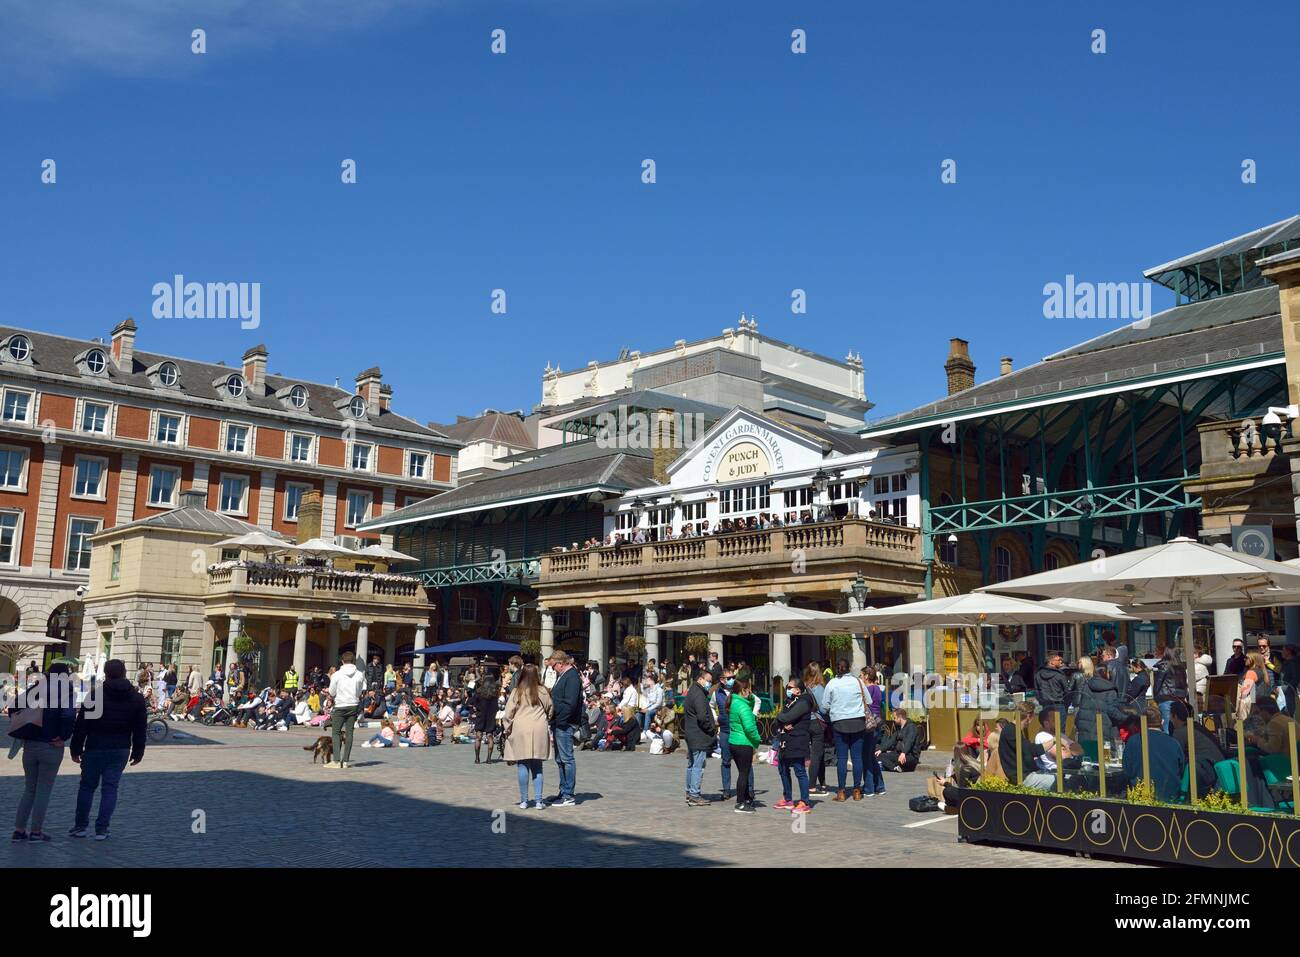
x,y
522,172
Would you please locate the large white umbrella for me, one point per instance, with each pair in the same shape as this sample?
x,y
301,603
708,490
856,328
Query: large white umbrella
x,y
1183,571
769,617
384,553
256,541
320,548
973,610
17,645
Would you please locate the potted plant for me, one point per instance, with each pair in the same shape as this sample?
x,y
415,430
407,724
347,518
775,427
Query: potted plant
x,y
838,643
530,647
245,645
634,645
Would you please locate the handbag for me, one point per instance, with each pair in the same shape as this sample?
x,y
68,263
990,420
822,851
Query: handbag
x,y
870,719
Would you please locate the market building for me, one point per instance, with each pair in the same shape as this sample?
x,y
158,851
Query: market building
x,y
97,434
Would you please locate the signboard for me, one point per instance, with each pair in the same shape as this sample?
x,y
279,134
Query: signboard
x,y
744,460
1256,540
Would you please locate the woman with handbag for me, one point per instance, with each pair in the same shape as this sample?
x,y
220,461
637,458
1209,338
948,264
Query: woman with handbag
x,y
42,732
873,719
846,704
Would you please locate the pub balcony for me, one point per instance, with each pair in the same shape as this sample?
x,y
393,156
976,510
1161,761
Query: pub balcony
x,y
255,583
844,540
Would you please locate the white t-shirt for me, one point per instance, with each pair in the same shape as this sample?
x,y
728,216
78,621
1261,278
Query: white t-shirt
x,y
1045,762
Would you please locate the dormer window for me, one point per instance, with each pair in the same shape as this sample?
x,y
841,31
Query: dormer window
x,y
96,362
357,407
298,397
234,385
168,374
20,348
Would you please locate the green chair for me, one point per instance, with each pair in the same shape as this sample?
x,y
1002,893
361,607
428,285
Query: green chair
x,y
1276,768
1229,782
1090,750
1185,789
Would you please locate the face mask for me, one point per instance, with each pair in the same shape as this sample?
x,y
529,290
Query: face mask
x,y
730,682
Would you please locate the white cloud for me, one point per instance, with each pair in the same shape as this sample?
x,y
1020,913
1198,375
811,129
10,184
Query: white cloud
x,y
45,43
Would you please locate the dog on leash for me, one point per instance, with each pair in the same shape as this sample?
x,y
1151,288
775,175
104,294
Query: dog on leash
x,y
323,749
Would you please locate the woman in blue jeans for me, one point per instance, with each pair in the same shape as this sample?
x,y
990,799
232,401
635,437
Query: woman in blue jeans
x,y
845,702
875,774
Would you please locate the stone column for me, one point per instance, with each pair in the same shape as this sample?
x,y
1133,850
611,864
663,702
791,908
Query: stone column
x,y
547,637
332,650
715,641
363,644
651,631
1227,629
273,654
390,647
234,631
300,646
421,633
859,645
781,659
596,636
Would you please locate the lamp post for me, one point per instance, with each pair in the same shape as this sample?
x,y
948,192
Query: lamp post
x,y
344,619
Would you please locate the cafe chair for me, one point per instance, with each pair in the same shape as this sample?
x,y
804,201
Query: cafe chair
x,y
1226,774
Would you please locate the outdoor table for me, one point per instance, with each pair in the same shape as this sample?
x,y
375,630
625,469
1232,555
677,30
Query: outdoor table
x,y
1086,778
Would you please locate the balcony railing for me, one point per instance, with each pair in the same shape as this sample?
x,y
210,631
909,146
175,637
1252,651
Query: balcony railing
x,y
269,580
846,539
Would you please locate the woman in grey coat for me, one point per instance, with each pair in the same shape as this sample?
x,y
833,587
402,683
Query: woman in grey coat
x,y
43,732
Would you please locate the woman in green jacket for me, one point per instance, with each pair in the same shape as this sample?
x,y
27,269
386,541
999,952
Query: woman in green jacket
x,y
744,738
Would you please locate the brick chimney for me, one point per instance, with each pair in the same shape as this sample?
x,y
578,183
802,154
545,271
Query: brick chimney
x,y
369,386
309,516
663,443
960,368
123,348
255,360
386,397
1007,367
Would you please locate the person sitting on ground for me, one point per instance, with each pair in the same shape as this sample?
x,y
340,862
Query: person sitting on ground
x,y
900,743
1167,758
611,730
386,738
302,711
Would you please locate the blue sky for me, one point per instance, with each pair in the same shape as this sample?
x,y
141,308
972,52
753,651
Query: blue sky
x,y
522,172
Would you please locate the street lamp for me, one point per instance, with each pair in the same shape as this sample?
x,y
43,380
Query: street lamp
x,y
513,611
821,478
344,620
860,590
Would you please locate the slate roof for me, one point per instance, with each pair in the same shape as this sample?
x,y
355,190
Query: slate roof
x,y
565,468
1285,231
191,518
58,354
503,427
1237,328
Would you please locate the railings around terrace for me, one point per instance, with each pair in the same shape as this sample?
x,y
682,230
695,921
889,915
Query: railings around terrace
x,y
269,578
848,538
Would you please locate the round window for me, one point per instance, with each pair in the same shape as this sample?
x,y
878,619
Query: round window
x,y
96,363
168,374
20,347
235,386
298,397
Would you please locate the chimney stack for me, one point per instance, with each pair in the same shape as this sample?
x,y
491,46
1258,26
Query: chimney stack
x,y
309,516
386,397
194,498
123,347
960,368
369,384
663,443
1006,365
255,360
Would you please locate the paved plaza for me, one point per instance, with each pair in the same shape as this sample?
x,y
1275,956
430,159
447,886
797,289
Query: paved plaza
x,y
263,803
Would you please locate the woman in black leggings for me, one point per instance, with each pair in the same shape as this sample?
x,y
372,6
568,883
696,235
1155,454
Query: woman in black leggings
x,y
744,738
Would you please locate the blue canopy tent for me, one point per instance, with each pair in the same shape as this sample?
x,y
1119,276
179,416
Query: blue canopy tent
x,y
475,646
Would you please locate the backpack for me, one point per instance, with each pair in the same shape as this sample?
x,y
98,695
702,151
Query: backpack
x,y
922,803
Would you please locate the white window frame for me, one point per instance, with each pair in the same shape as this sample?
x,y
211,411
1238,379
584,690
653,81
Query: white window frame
x,y
29,348
411,455
249,433
31,406
176,486
473,605
347,510
311,448
22,472
103,358
221,493
180,428
306,398
162,381
370,456
67,543
16,546
306,487
83,405
115,562
101,494
742,501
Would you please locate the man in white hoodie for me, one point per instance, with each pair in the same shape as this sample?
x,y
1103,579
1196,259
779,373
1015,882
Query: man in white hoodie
x,y
346,688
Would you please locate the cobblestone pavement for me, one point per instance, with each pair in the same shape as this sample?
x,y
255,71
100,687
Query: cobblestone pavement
x,y
262,802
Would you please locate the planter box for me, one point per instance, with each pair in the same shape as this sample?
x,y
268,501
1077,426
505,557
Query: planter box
x,y
1169,835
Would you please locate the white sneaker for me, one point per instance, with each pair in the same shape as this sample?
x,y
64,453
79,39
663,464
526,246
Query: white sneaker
x,y
365,744
523,805
403,744
540,805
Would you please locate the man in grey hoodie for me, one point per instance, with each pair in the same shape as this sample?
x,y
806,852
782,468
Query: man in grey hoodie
x,y
346,688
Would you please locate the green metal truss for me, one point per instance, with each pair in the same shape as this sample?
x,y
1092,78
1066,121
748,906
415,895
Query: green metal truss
x,y
519,570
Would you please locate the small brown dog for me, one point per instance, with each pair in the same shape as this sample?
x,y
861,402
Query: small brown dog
x,y
323,749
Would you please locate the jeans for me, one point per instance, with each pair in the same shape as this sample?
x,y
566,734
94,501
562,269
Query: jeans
x,y
564,758
874,775
801,774
102,770
725,748
1165,707
846,744
343,722
531,768
1041,780
41,762
695,772
743,755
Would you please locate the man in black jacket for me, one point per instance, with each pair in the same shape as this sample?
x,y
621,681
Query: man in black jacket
x,y
109,731
700,730
566,715
374,673
1052,685
900,748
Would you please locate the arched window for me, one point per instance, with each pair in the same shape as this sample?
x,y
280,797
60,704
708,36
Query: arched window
x,y
1001,564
